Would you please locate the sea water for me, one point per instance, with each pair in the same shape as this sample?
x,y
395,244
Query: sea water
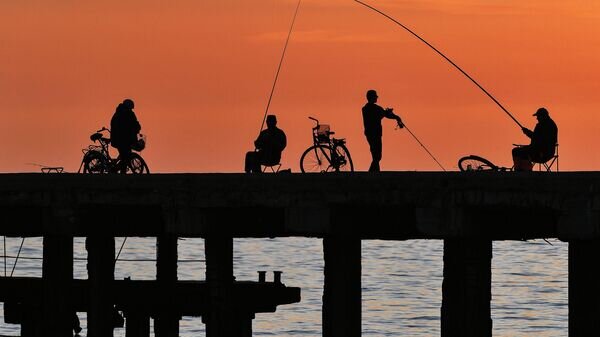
x,y
401,281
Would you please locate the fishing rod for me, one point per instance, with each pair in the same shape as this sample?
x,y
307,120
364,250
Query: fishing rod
x,y
423,146
279,67
444,56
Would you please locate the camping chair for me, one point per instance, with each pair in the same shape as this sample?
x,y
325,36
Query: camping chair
x,y
548,164
274,168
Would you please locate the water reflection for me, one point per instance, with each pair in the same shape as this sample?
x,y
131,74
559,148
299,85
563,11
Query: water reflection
x,y
401,283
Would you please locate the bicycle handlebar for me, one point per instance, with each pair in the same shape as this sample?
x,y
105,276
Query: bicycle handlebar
x,y
103,129
314,119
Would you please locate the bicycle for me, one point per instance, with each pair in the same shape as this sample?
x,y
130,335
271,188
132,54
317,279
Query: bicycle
x,y
97,159
477,163
327,154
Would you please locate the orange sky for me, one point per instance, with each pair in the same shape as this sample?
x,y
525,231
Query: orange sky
x,y
200,73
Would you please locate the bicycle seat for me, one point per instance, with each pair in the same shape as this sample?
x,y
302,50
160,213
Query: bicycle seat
x,y
331,133
96,136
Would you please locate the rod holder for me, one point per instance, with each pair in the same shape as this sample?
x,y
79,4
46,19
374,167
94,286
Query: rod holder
x,y
277,276
262,276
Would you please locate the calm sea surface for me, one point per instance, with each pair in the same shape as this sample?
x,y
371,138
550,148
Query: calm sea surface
x,y
401,281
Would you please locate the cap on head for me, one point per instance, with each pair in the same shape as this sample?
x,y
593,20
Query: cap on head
x,y
371,94
128,103
541,112
271,120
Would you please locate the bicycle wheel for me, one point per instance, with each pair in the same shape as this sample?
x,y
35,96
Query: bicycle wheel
x,y
344,161
316,159
94,163
137,165
476,163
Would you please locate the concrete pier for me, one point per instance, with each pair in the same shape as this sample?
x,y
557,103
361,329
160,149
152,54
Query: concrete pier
x,y
166,323
584,294
342,290
101,273
468,210
467,288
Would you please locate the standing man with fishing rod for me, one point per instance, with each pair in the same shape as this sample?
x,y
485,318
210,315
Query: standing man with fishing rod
x,y
372,116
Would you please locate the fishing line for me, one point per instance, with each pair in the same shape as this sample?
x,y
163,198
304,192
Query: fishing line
x,y
423,146
5,256
444,56
120,250
17,258
279,67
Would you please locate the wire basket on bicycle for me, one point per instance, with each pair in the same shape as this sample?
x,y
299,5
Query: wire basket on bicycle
x,y
140,144
322,133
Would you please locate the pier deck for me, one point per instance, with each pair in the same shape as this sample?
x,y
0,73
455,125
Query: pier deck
x,y
466,210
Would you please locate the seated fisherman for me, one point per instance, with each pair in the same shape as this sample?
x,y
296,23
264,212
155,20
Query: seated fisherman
x,y
269,145
543,143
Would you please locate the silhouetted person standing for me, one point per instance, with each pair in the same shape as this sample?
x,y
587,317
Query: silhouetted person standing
x,y
124,128
269,145
372,116
543,143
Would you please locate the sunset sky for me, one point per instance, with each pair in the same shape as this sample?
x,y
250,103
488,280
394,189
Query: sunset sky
x,y
200,73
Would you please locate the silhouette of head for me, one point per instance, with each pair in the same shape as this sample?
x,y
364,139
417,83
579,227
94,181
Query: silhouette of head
x,y
128,104
271,121
372,96
541,113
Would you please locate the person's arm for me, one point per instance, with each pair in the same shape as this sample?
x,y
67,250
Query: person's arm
x,y
259,143
283,140
389,113
527,132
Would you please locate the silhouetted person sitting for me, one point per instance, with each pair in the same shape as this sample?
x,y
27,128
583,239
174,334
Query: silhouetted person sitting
x,y
269,145
124,128
372,116
543,143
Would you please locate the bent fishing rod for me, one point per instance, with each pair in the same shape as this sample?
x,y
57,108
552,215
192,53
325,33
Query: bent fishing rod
x,y
279,67
442,55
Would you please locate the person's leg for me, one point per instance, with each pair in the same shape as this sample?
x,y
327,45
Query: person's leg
x,y
253,162
521,158
259,159
124,158
375,147
249,162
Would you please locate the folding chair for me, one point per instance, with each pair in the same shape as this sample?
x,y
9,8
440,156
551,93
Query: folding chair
x,y
274,168
547,166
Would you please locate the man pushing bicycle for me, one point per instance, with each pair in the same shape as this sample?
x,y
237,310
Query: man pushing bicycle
x,y
124,129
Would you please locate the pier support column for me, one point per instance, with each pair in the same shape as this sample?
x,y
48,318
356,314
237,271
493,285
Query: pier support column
x,y
342,290
584,293
57,279
101,273
31,322
166,323
137,325
221,318
467,288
